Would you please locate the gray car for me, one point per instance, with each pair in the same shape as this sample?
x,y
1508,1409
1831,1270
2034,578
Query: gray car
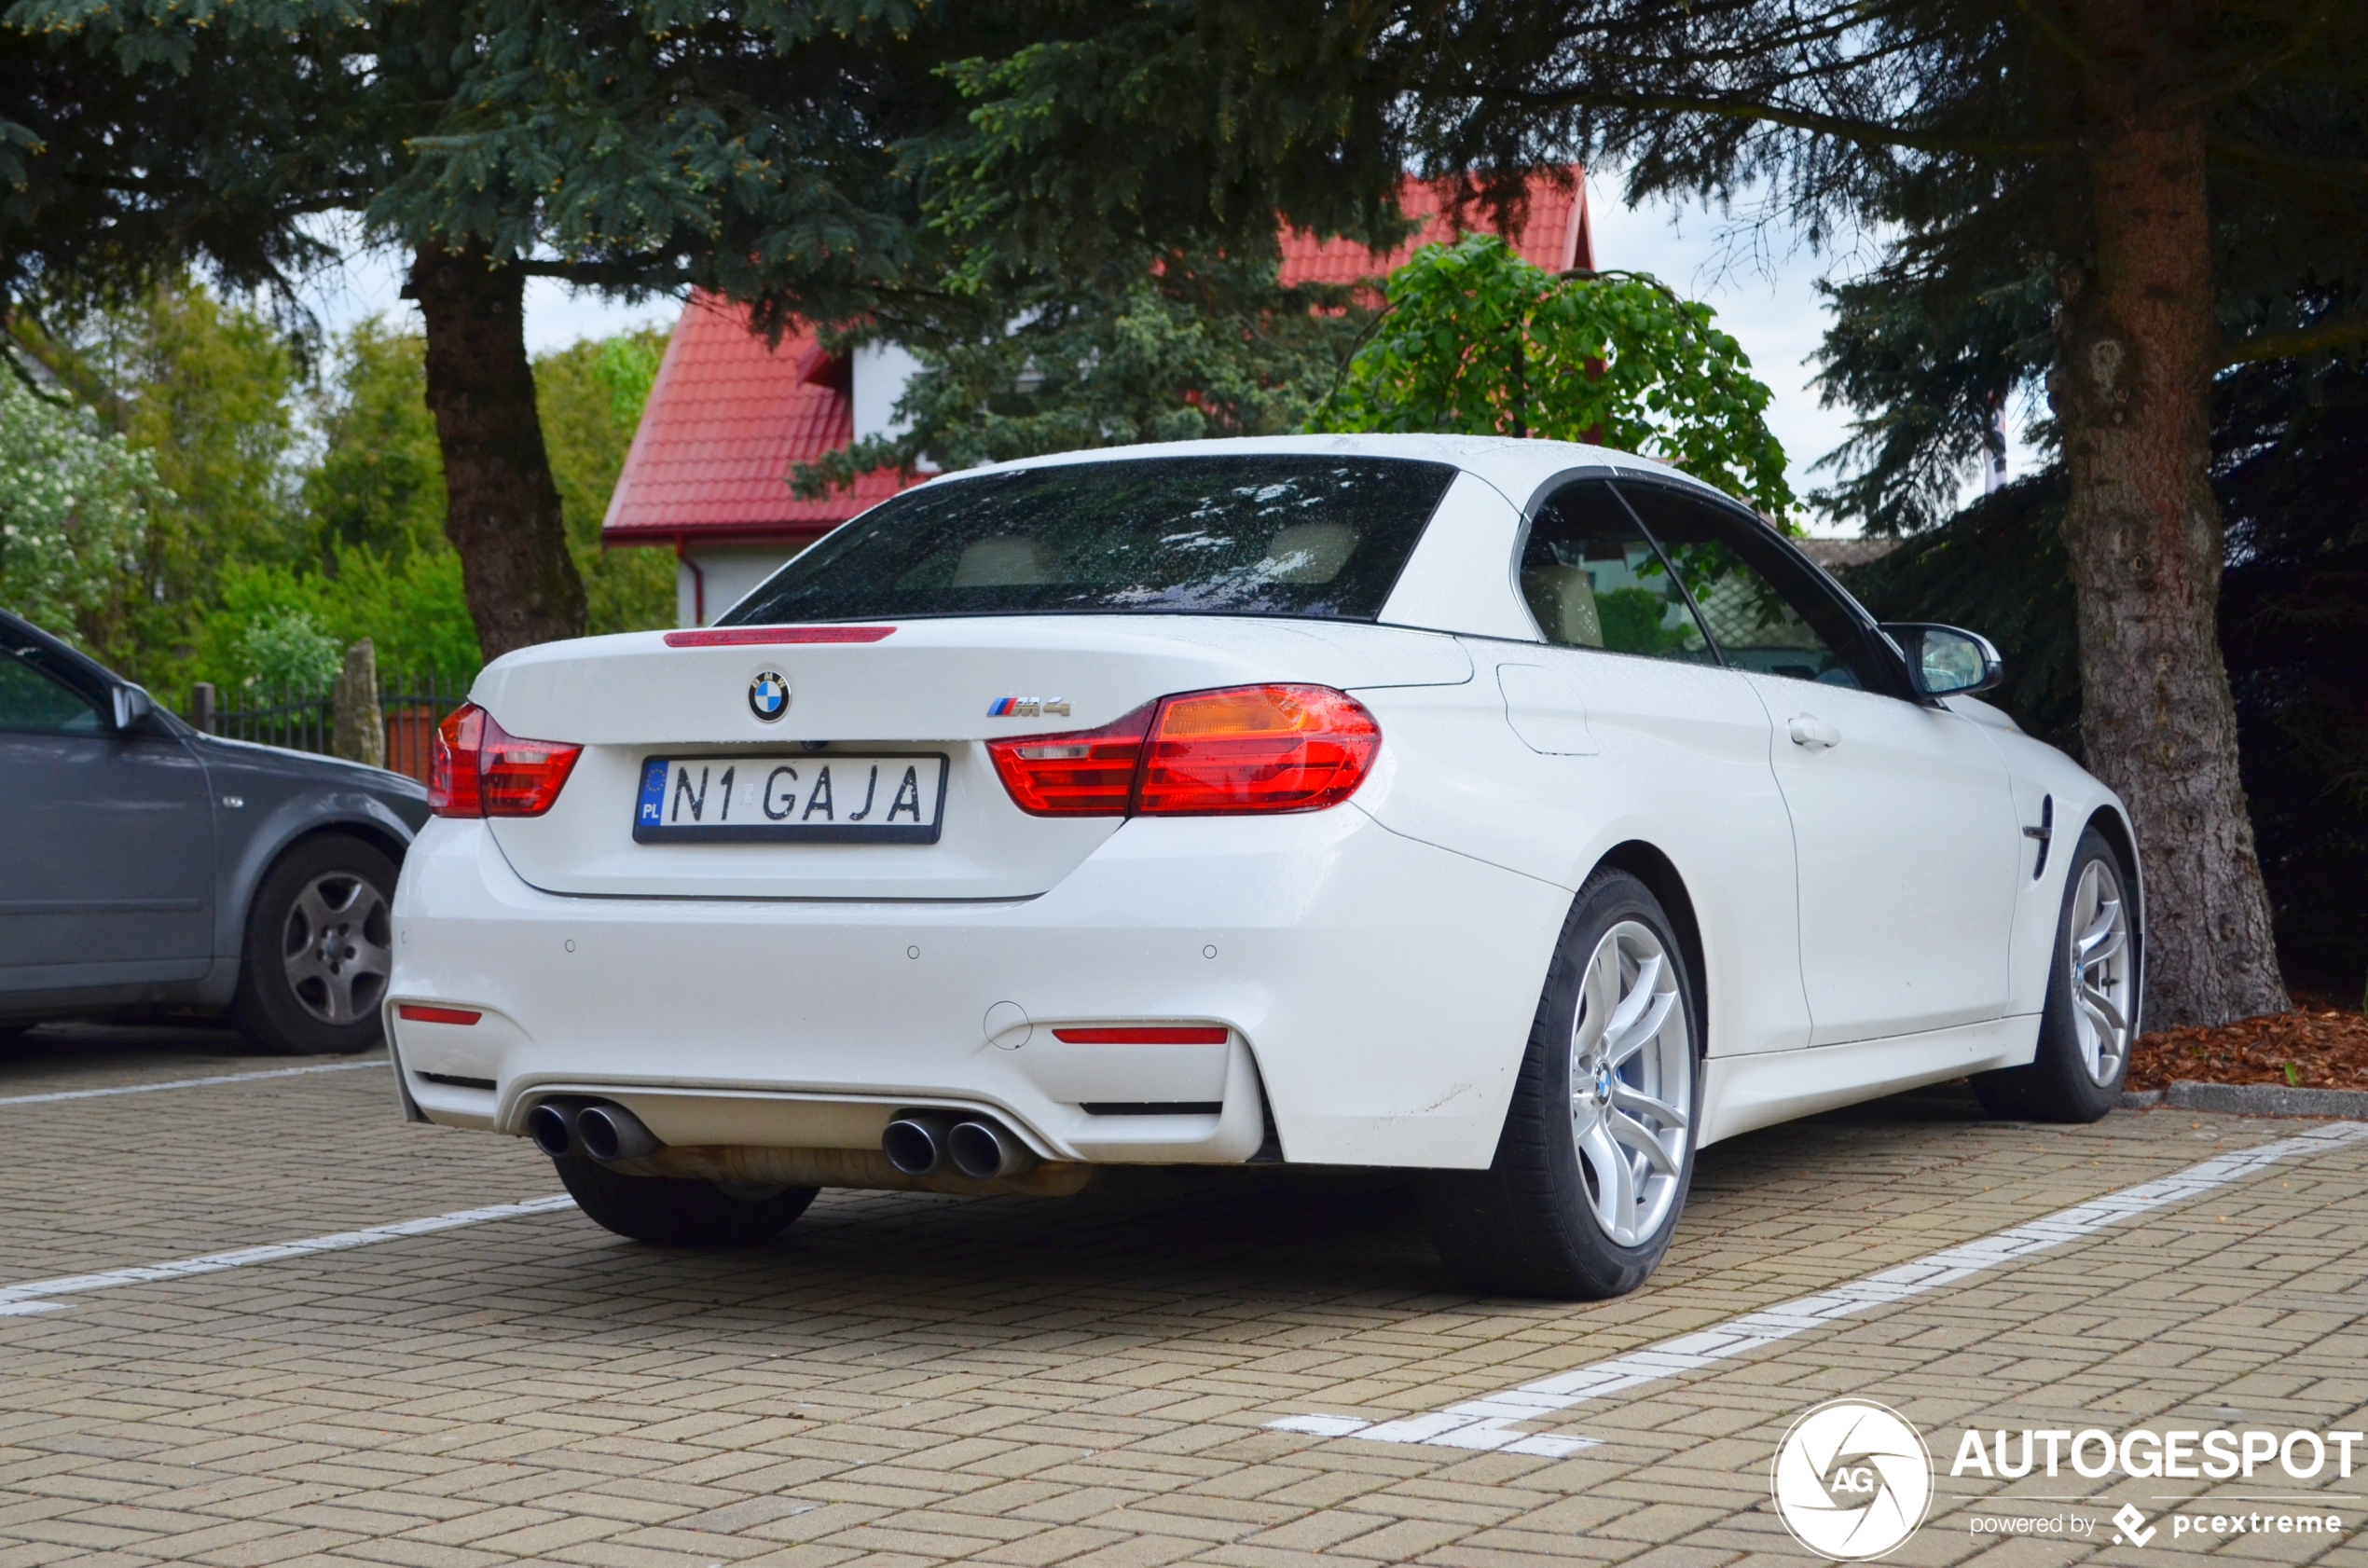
x,y
144,864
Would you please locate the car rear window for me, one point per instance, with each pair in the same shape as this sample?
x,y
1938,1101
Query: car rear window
x,y
1291,535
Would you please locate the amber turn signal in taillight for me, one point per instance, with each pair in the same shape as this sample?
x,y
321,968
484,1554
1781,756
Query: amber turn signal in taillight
x,y
476,768
1238,750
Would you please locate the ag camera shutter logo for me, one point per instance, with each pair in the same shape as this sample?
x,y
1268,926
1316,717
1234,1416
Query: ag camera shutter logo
x,y
1852,1481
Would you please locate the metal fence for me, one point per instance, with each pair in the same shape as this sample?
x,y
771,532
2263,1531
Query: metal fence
x,y
410,711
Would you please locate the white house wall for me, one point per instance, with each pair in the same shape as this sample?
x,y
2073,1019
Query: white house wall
x,y
709,579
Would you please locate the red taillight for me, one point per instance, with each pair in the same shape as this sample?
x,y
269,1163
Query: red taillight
x,y
1256,749
1084,773
1244,748
1157,1035
478,769
452,762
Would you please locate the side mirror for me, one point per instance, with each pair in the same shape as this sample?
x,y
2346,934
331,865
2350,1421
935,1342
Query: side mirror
x,y
133,706
1946,661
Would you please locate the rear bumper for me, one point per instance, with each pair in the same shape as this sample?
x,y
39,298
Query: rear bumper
x,y
1377,992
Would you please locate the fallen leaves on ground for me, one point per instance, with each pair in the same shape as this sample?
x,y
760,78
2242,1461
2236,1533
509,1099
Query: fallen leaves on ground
x,y
2311,1048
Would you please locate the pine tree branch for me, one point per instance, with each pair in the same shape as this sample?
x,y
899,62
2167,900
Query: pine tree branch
x,y
1861,132
2341,332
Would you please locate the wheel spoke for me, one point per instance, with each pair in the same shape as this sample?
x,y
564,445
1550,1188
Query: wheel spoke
x,y
305,964
1614,1184
2101,1008
2103,938
318,915
1632,1134
1640,1032
1637,1103
1640,997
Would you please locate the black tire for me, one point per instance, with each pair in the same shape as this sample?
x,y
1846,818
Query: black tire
x,y
1529,1225
318,888
672,1213
2059,1085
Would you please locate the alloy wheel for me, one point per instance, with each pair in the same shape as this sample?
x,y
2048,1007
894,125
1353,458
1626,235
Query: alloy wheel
x,y
336,948
2099,937
1632,1083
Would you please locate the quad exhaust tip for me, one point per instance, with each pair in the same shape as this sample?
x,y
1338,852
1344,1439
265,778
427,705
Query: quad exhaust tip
x,y
922,1141
601,1131
982,1150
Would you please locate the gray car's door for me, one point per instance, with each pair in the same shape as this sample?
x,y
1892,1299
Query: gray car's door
x,y
106,855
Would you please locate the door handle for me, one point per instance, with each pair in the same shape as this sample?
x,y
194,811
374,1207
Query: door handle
x,y
1807,729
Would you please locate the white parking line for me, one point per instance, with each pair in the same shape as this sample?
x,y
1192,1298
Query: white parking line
x,y
21,1301
1488,1424
186,1083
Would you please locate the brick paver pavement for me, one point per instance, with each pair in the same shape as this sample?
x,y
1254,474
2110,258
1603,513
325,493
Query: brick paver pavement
x,y
913,1380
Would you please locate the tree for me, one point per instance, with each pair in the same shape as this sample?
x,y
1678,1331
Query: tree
x,y
1168,347
379,483
2177,174
591,394
74,508
1475,341
205,392
622,145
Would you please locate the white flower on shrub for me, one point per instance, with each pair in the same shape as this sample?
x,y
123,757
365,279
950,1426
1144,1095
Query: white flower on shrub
x,y
74,506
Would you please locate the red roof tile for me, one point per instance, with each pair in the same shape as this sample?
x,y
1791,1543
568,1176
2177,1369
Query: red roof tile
x,y
727,416
1553,234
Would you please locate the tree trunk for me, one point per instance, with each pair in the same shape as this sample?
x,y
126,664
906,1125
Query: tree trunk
x,y
503,511
2131,392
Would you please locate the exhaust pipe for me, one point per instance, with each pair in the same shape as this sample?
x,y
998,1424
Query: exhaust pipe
x,y
614,1133
552,1127
981,1148
914,1143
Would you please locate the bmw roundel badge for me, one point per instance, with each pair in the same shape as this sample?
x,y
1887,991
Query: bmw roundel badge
x,y
769,694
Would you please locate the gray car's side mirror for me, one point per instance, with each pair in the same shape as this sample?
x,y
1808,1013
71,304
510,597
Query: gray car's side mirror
x,y
1946,661
133,706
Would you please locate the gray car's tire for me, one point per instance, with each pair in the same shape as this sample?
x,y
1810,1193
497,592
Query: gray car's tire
x,y
1613,1065
318,950
676,1213
2090,1019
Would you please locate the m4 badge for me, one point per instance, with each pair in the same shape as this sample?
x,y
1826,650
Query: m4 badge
x,y
1027,707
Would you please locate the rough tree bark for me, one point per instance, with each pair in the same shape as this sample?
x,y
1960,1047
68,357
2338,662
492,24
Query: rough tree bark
x,y
2131,390
502,509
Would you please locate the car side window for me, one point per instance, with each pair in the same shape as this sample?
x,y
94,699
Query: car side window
x,y
36,702
1594,580
1762,611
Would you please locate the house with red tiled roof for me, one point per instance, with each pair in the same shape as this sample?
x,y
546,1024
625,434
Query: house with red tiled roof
x,y
729,415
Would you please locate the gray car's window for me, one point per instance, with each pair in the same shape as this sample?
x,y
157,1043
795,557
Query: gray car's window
x,y
1286,534
1594,580
32,702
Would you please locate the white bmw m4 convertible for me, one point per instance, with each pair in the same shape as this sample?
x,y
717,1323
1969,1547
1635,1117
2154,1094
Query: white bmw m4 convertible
x,y
1525,814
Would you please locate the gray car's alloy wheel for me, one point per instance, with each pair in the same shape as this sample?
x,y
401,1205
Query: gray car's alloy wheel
x,y
319,949
1592,1167
2089,1020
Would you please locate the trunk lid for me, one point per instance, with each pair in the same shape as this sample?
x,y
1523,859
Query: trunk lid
x,y
928,688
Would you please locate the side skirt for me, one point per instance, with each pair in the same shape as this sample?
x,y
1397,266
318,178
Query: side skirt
x,y
1742,1094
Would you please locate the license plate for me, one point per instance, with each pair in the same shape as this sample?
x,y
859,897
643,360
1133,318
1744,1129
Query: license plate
x,y
811,798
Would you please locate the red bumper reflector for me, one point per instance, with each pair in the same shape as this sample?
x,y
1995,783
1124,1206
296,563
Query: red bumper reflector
x,y
411,1013
750,637
1140,1037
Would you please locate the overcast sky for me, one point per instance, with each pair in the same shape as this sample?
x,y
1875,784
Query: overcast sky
x,y
1762,288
